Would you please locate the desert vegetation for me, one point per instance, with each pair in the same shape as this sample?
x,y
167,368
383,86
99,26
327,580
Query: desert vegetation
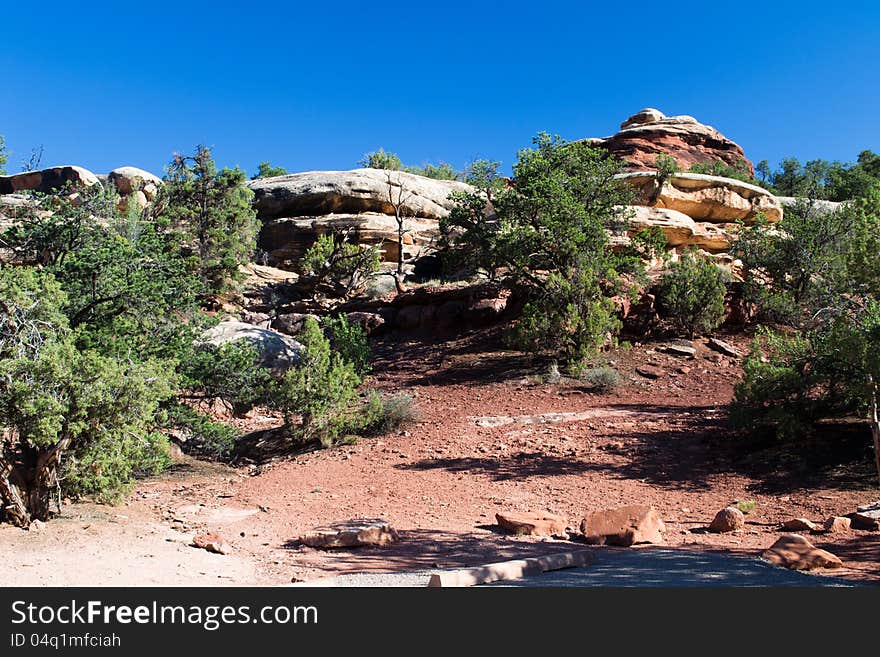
x,y
106,301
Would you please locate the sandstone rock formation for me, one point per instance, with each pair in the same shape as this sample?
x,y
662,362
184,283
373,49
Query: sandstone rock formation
x,y
276,351
795,552
296,208
706,198
530,523
131,181
624,526
649,133
47,180
818,205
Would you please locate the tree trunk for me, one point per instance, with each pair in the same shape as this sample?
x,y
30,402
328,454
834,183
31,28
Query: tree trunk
x,y
14,509
26,488
875,427
399,246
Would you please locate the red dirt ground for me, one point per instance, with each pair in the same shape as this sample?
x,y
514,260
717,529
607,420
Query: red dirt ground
x,y
663,442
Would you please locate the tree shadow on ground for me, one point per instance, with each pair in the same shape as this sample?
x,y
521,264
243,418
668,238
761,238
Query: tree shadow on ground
x,y
471,358
687,456
424,549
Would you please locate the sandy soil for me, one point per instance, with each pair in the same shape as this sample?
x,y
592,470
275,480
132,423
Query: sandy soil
x,y
491,436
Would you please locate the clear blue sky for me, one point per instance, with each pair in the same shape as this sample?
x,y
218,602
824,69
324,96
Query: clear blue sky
x,y
315,85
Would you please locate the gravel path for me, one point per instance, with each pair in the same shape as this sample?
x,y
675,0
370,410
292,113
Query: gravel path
x,y
629,568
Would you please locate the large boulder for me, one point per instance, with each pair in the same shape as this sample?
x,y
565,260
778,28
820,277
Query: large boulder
x,y
795,552
649,133
130,180
316,193
624,526
47,180
711,199
275,351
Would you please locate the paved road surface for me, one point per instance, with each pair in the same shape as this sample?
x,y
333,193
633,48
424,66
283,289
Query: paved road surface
x,y
643,567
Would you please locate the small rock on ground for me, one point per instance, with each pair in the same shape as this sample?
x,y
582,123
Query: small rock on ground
x,y
529,523
211,542
727,520
351,533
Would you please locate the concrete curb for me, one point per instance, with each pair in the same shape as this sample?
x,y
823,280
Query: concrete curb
x,y
507,570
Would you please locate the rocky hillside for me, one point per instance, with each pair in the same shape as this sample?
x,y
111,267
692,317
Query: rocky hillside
x,y
692,210
296,208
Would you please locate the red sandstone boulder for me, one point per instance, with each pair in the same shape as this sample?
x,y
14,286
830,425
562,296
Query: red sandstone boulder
x,y
211,542
728,520
529,523
624,526
795,552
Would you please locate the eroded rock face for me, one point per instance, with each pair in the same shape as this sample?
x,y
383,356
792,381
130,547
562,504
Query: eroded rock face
x,y
316,193
648,133
47,180
624,526
705,198
285,240
299,207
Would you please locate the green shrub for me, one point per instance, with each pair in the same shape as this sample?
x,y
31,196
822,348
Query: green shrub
x,y
547,237
266,170
381,159
571,320
335,267
228,372
603,379
75,417
746,506
316,397
204,436
739,171
214,209
350,341
666,166
692,294
385,413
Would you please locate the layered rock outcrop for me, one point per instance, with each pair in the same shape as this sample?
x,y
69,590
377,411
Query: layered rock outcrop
x,y
47,180
706,198
299,207
696,210
127,181
649,133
